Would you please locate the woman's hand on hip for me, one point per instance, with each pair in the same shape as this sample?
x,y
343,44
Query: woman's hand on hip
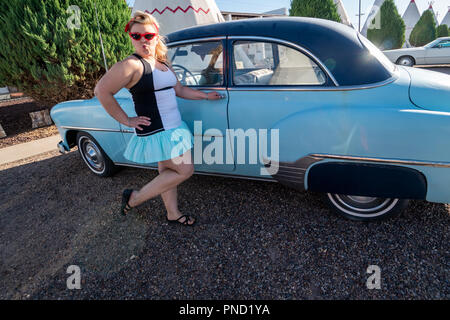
x,y
136,122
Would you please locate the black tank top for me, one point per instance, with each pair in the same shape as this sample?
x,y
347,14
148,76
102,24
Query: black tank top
x,y
145,103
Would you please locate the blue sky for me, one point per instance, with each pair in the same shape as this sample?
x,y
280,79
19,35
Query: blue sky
x,y
259,6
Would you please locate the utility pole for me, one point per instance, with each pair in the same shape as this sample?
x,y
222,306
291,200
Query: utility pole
x,y
359,16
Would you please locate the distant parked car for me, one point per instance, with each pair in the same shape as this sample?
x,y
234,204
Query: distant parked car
x,y
352,125
436,52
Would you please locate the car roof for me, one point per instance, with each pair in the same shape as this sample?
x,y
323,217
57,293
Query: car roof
x,y
336,45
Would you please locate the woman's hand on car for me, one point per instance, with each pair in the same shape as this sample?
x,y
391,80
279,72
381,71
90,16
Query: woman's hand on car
x,y
213,95
136,122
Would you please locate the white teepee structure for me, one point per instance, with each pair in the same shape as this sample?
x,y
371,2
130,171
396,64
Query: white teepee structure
x,y
434,14
342,13
446,19
174,15
411,17
372,15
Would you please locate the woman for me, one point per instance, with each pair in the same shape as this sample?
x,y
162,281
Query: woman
x,y
158,126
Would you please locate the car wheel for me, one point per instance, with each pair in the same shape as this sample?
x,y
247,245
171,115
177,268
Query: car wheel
x,y
406,61
94,156
365,208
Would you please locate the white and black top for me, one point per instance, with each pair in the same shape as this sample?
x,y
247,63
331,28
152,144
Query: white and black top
x,y
154,97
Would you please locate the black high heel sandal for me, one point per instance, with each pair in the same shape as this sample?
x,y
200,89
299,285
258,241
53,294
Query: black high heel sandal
x,y
185,222
125,208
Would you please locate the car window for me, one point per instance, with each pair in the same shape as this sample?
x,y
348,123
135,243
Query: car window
x,y
432,44
198,64
374,51
272,64
444,44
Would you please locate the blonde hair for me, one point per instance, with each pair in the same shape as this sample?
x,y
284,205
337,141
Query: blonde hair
x,y
146,18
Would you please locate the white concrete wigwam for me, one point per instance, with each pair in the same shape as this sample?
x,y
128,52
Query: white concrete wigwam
x,y
373,13
434,13
175,15
446,19
410,17
342,13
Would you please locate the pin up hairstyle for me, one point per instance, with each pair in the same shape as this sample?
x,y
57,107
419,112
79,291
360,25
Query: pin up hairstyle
x,y
146,18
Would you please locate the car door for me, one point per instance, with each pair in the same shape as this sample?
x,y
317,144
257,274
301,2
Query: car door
x,y
439,53
268,81
199,64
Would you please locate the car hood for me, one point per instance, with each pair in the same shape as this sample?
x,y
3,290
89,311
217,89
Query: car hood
x,y
429,89
406,50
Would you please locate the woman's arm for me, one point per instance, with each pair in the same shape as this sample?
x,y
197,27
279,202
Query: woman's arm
x,y
115,79
192,94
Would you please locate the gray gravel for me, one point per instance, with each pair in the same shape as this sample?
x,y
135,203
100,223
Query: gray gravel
x,y
254,240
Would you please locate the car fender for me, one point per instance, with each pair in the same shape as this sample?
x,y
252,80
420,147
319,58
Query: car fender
x,y
409,137
89,115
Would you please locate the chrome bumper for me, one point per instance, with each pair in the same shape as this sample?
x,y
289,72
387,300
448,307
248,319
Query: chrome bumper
x,y
61,147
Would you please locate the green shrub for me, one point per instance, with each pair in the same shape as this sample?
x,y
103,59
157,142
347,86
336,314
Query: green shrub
x,y
391,32
51,62
325,9
424,31
442,31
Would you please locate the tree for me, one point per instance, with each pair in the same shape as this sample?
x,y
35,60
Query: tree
x,y
51,51
424,31
325,9
390,34
442,31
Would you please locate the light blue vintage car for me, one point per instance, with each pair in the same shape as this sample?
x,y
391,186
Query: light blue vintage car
x,y
325,109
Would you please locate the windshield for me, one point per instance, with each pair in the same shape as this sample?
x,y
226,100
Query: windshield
x,y
374,51
432,43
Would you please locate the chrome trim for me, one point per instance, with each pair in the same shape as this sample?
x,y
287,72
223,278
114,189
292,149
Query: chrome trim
x,y
176,43
201,173
89,129
309,53
210,135
384,160
304,163
314,88
208,88
197,135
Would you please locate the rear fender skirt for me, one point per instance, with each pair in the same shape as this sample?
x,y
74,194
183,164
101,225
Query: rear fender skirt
x,y
352,178
363,179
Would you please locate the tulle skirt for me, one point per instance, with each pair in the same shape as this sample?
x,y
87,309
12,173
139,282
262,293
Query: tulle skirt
x,y
163,145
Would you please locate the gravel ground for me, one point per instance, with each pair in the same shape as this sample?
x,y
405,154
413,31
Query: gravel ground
x,y
254,240
16,121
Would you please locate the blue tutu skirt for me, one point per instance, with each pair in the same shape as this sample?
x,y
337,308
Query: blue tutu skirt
x,y
163,145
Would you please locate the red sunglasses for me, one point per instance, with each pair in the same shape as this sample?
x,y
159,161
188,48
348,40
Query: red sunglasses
x,y
137,36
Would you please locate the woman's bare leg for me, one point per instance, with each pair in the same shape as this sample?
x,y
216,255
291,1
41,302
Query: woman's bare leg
x,y
165,183
169,197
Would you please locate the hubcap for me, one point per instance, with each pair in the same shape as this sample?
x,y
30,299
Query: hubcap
x,y
361,199
405,62
361,206
92,155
